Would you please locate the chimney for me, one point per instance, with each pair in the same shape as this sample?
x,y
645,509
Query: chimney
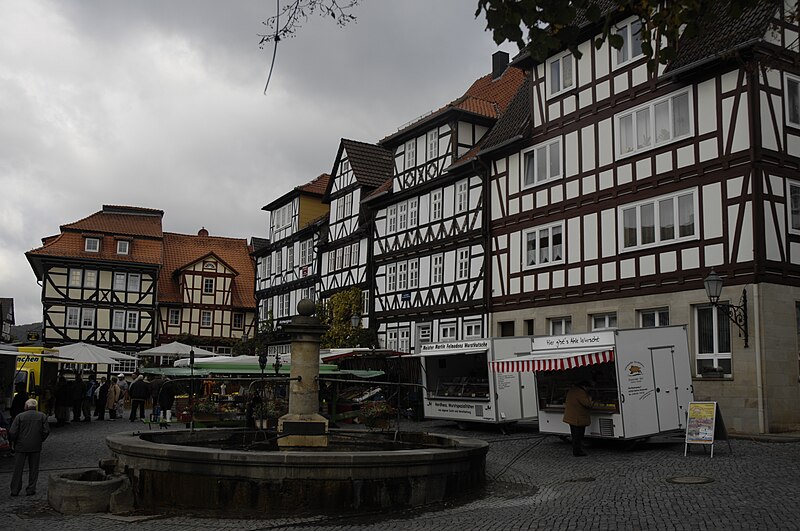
x,y
499,64
202,232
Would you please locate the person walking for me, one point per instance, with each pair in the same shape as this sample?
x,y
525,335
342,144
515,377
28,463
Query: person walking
x,y
155,389
88,398
139,392
112,398
166,397
78,391
63,400
576,414
28,431
102,396
18,403
123,394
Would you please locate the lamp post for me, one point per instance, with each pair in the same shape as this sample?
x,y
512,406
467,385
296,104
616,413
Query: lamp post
x,y
191,383
355,322
737,314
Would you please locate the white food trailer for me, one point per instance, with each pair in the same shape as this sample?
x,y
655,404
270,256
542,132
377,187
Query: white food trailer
x,y
640,379
458,385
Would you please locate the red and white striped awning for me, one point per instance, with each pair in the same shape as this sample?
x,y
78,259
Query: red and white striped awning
x,y
558,361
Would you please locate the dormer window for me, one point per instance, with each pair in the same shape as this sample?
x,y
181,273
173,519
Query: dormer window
x,y
92,245
123,246
631,33
411,153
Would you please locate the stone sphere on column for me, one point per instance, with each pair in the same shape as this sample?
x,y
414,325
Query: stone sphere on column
x,y
306,307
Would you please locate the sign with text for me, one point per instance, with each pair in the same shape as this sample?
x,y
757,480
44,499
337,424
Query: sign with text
x,y
454,409
572,341
700,424
479,344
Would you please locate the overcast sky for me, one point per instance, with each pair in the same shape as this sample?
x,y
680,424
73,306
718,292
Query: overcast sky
x,y
161,105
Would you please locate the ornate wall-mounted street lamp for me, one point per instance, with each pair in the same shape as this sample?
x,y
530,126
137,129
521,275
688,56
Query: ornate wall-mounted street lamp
x,y
736,314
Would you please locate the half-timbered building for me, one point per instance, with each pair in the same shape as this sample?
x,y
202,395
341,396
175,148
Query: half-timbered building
x,y
359,169
206,290
288,267
6,318
99,279
616,190
429,229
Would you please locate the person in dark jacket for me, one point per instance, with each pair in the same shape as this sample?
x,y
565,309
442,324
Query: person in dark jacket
x,y
27,432
63,400
18,404
102,396
88,398
155,389
78,390
166,398
139,392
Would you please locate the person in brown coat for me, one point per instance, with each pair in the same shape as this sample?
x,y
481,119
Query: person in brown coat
x,y
112,398
576,414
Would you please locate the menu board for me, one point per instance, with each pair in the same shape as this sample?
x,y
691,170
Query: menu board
x,y
700,424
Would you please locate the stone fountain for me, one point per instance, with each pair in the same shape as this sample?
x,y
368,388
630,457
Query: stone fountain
x,y
304,468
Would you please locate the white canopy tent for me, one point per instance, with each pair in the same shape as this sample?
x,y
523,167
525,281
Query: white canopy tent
x,y
176,349
86,353
184,362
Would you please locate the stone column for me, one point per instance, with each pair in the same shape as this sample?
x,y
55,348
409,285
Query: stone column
x,y
303,425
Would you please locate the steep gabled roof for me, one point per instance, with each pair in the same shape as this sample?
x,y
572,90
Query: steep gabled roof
x,y
514,122
371,164
486,98
315,187
182,250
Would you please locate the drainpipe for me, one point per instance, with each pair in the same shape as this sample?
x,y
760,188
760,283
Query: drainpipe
x,y
759,343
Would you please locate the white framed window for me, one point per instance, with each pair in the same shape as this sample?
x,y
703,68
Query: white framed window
x,y
447,332
544,246
90,278
287,304
794,207
268,259
391,219
345,167
436,205
340,208
473,330
134,281
120,281
462,196
560,326
305,246
604,321
354,259
656,123
391,277
413,213
174,316
424,333
346,256
664,219
205,318
282,217
75,278
339,257
411,153
542,163
73,317
238,321
652,318
792,100
132,320
463,263
91,245
123,246
208,285
631,33
713,342
118,320
87,318
413,273
560,73
278,260
348,205
290,257
331,260
433,144
402,276
437,269
402,216
404,340
391,339
364,302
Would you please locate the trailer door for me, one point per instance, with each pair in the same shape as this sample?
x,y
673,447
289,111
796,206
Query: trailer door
x,y
666,388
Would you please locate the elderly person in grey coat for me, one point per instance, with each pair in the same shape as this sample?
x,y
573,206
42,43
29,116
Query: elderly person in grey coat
x,y
27,432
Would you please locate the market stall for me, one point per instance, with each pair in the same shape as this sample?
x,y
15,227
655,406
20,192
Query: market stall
x,y
459,386
640,379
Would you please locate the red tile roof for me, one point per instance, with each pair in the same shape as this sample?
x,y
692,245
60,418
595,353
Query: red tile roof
x,y
72,245
182,250
130,221
317,186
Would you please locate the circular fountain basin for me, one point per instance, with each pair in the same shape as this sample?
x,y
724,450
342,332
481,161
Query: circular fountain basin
x,y
225,472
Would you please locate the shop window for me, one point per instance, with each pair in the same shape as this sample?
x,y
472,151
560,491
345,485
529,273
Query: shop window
x,y
713,342
506,328
653,318
604,321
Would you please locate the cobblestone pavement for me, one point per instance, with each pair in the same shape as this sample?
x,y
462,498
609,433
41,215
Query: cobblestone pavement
x,y
533,482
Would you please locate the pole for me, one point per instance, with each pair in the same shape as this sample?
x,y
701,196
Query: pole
x,y
191,390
